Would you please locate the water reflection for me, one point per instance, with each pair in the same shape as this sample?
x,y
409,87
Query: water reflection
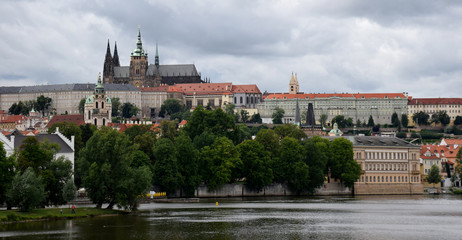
x,y
376,217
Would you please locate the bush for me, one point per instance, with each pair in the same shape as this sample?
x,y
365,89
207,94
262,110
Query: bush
x,y
401,135
430,135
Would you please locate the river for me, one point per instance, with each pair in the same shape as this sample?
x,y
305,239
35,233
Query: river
x,y
368,217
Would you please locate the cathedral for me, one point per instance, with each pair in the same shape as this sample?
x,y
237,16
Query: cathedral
x,y
142,74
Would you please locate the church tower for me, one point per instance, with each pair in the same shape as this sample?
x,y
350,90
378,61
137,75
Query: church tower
x,y
108,70
293,84
98,107
115,59
138,63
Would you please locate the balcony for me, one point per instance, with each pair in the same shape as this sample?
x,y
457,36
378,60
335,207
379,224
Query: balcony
x,y
415,172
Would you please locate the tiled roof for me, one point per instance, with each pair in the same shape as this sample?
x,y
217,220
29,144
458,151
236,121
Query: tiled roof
x,y
73,118
333,95
175,89
15,118
435,101
443,151
251,88
450,141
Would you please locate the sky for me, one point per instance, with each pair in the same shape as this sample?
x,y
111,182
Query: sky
x,y
349,46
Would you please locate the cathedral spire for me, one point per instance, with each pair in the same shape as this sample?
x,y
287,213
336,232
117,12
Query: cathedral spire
x,y
115,59
108,50
297,114
157,56
108,69
139,51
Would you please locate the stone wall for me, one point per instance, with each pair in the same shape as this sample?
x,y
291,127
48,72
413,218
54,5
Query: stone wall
x,y
273,190
390,188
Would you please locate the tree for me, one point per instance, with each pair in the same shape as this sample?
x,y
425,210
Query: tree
x,y
166,174
342,165
256,118
43,103
170,107
458,120
108,175
27,191
216,122
69,191
54,177
129,110
434,175
19,108
289,130
395,120
69,129
270,141
421,118
7,173
323,119
82,105
277,116
291,151
229,109
316,158
168,129
444,118
220,163
256,164
188,165
341,122
244,115
115,107
370,123
404,120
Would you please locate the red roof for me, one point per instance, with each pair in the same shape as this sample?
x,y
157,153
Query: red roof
x,y
435,101
182,123
174,89
15,118
330,95
73,118
251,88
450,141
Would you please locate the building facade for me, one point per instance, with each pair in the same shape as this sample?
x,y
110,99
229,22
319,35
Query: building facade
x,y
430,106
389,165
142,74
98,107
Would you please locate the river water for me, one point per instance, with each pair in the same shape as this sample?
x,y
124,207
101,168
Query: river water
x,y
372,217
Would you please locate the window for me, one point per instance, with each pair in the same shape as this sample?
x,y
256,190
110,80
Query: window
x,y
104,122
96,104
89,114
102,106
96,123
240,100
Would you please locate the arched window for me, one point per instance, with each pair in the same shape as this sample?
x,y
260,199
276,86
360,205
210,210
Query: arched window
x,y
102,104
235,100
96,104
96,122
104,122
89,115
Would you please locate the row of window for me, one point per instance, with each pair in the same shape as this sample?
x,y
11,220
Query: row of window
x,y
386,155
386,167
241,100
388,179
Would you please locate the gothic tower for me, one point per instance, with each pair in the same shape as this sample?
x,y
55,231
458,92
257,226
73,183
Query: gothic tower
x,y
108,70
138,63
293,84
115,59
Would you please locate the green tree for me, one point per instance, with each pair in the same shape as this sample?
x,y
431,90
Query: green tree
x,y
105,164
43,103
69,129
444,118
166,174
19,108
256,118
242,133
434,175
370,123
277,116
316,159
270,141
54,177
168,129
170,107
129,110
289,130
188,163
69,191
27,191
115,107
341,121
458,120
256,164
323,119
244,115
82,105
229,109
342,165
404,120
421,118
395,120
216,122
220,163
146,143
7,173
291,151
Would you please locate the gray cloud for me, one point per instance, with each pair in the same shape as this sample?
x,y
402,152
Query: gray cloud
x,y
349,46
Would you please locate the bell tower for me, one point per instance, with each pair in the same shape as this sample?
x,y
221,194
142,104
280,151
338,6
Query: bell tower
x,y
138,63
108,70
293,84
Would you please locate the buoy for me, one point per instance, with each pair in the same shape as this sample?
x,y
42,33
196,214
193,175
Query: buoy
x,y
216,203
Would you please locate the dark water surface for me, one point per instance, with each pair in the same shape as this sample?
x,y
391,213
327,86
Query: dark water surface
x,y
377,217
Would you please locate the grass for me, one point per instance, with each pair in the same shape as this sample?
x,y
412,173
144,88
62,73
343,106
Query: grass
x,y
53,213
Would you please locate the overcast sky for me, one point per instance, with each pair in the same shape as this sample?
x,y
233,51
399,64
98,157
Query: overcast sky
x,y
351,46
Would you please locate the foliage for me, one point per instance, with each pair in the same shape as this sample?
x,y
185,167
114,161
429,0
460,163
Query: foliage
x,y
168,129
170,107
421,118
166,174
277,116
129,110
434,175
256,164
43,103
291,151
341,164
289,130
7,173
256,118
426,134
370,122
69,191
188,164
323,119
69,129
244,115
105,164
54,177
342,122
443,118
115,107
216,122
270,141
19,108
241,133
229,109
316,158
220,163
27,191
401,135
395,120
376,128
404,120
53,214
82,105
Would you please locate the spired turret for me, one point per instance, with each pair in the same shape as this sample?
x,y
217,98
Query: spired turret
x,y
293,84
108,70
98,107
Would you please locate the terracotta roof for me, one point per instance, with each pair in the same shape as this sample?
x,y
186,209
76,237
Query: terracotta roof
x,y
174,89
73,118
182,123
15,118
452,141
200,88
443,151
435,101
251,88
331,95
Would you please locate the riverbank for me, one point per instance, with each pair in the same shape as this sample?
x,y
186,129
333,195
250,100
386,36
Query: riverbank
x,y
45,214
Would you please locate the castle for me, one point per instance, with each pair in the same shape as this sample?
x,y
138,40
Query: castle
x,y
142,74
